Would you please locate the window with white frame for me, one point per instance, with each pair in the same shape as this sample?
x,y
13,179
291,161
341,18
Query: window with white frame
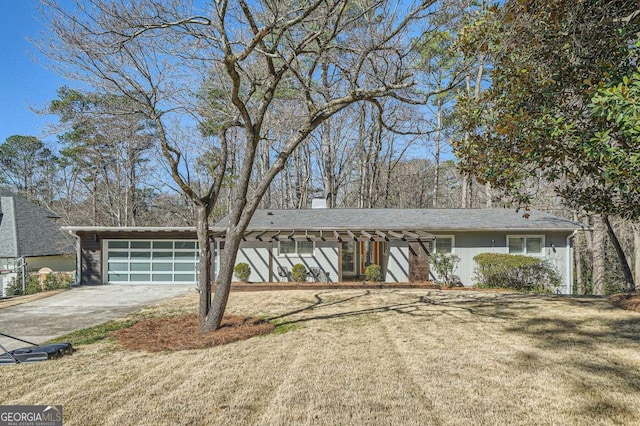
x,y
532,245
296,248
443,244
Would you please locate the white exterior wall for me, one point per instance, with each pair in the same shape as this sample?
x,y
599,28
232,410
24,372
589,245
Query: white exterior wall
x,y
397,265
395,260
469,244
256,255
325,256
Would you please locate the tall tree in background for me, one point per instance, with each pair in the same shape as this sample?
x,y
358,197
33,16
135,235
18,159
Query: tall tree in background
x,y
543,111
156,53
28,166
106,145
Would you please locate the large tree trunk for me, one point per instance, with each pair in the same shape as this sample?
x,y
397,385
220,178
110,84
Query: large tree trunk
x,y
626,270
489,194
577,260
223,280
436,179
599,235
636,250
204,263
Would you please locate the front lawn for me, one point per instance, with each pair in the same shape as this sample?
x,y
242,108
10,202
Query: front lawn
x,y
365,357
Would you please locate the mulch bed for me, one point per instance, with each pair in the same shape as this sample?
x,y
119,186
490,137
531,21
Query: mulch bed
x,y
328,286
629,301
183,332
351,285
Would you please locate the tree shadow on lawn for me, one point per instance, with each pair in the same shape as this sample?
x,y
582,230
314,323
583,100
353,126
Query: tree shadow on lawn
x,y
523,316
500,306
589,349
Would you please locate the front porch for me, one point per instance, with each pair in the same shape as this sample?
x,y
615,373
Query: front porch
x,y
333,256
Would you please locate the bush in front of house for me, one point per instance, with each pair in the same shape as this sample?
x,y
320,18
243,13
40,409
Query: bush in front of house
x,y
516,272
299,272
57,280
242,272
32,285
373,273
445,264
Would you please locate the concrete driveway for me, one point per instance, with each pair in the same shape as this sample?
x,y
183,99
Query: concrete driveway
x,y
78,308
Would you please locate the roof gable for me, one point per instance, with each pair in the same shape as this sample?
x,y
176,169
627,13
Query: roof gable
x,y
27,229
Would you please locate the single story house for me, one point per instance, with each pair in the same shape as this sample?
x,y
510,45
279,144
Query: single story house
x,y
333,245
30,237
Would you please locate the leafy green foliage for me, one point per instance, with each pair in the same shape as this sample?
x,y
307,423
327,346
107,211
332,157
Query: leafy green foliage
x,y
560,106
444,265
524,273
373,273
26,165
57,280
299,272
242,272
53,281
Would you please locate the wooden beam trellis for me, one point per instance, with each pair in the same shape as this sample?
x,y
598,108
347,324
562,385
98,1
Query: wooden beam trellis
x,y
382,235
396,235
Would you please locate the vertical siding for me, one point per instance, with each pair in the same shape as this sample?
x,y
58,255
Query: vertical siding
x,y
91,259
397,262
469,244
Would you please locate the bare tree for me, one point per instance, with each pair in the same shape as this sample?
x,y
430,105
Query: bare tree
x,y
246,55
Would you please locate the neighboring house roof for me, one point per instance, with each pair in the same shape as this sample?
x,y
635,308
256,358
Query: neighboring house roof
x,y
432,220
28,230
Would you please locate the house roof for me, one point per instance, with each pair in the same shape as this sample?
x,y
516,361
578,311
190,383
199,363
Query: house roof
x,y
27,229
431,220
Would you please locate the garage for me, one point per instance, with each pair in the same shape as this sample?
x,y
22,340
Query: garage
x,y
136,255
151,261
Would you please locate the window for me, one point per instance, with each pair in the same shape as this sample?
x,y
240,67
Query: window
x,y
529,245
443,244
296,248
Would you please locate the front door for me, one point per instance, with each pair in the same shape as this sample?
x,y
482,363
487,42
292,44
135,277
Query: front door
x,y
369,254
348,250
418,261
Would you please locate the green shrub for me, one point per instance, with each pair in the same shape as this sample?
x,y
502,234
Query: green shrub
x,y
15,287
33,285
299,272
242,271
57,280
524,273
445,264
373,273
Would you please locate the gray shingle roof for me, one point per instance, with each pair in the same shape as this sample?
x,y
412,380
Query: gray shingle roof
x,y
431,220
28,230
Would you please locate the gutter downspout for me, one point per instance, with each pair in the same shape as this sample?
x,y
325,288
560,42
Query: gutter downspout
x,y
78,282
569,265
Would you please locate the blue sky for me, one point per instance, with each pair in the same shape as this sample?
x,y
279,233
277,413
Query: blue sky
x,y
23,81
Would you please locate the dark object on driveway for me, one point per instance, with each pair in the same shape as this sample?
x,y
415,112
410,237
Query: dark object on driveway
x,y
35,353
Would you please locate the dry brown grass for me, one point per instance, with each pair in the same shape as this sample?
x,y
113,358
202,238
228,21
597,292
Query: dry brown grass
x,y
405,357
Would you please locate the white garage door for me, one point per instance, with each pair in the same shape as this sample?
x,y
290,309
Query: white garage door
x,y
151,262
